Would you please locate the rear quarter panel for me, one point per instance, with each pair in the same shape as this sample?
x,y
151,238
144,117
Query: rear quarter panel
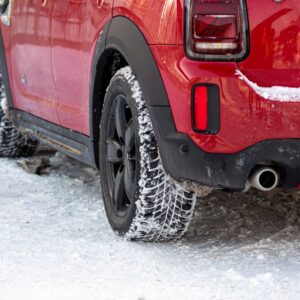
x,y
160,21
274,58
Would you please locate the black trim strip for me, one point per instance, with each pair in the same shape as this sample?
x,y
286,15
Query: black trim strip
x,y
97,94
4,70
73,144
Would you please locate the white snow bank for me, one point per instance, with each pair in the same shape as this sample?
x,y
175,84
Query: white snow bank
x,y
274,93
55,243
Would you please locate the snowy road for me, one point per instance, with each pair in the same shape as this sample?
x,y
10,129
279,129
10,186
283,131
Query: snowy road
x,y
55,243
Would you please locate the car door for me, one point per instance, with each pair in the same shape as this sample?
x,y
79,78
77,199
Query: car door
x,y
76,25
68,67
31,61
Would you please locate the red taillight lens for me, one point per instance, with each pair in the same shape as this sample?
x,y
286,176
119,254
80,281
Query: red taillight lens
x,y
206,108
201,108
216,29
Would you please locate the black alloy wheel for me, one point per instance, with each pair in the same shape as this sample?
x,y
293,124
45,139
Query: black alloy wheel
x,y
142,202
121,155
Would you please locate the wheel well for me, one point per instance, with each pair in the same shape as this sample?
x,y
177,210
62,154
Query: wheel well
x,y
108,64
120,44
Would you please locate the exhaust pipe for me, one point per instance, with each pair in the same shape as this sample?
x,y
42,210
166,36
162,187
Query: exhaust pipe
x,y
264,179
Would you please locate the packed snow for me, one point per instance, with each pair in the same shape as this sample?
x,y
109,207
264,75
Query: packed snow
x,y
57,244
274,93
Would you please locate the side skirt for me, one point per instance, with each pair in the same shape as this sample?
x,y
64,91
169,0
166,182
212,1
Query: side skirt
x,y
71,143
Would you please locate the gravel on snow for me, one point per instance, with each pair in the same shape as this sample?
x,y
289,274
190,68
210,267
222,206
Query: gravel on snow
x,y
55,243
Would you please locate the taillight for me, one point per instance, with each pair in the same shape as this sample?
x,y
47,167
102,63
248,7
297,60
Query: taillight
x,y
216,29
201,108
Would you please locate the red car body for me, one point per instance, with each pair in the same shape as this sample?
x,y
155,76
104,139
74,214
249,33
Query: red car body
x,y
50,51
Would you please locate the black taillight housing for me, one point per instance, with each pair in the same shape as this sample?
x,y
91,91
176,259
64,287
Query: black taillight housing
x,y
216,30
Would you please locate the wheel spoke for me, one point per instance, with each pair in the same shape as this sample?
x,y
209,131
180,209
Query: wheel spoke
x,y
119,189
114,151
130,138
130,160
120,155
120,118
129,179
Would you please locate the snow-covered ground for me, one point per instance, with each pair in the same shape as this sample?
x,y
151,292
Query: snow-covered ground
x,y
55,243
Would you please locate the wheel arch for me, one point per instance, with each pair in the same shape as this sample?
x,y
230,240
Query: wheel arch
x,y
122,43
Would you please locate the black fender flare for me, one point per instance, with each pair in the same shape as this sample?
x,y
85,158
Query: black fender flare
x,y
123,35
178,153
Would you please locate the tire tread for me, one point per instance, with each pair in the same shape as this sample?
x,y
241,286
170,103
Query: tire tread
x,y
164,208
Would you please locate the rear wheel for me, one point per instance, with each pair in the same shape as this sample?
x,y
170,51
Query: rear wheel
x,y
142,202
12,142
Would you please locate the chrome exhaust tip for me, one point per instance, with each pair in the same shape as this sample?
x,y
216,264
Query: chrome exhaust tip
x,y
264,179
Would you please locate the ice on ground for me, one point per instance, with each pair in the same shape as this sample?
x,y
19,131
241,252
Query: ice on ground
x,y
275,93
57,244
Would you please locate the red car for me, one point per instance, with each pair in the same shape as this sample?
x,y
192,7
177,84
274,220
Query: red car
x,y
156,94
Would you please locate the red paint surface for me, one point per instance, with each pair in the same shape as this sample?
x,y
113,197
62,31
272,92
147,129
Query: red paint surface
x,y
246,118
50,49
31,69
275,43
75,31
160,21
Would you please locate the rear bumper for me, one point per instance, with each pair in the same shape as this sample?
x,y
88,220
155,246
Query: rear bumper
x,y
184,160
252,129
246,118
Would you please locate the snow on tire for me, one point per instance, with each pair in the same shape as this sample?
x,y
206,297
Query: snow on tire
x,y
12,142
163,208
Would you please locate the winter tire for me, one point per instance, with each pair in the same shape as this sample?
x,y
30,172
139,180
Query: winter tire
x,y
12,142
142,202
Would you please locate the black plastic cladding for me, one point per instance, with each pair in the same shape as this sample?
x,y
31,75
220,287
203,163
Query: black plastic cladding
x,y
122,34
211,57
63,136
